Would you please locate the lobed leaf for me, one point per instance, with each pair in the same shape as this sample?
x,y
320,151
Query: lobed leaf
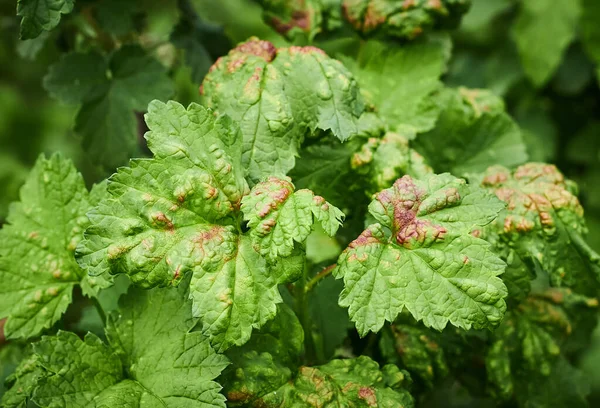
x,y
279,95
37,265
41,15
431,264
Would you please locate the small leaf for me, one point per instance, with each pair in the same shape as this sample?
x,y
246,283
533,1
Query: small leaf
x,y
278,216
431,264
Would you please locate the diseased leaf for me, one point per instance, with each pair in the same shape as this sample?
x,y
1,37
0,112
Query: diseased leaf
x,y
110,91
403,19
399,81
266,362
430,264
417,350
472,132
179,213
41,15
384,160
152,359
37,265
525,358
543,223
22,382
540,48
278,216
292,18
279,95
355,382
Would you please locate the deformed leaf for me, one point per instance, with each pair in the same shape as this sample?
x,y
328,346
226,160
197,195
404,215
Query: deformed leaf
x,y
355,382
266,362
525,357
544,222
417,350
110,91
279,216
41,15
179,214
152,359
279,95
38,270
22,382
308,17
403,19
428,261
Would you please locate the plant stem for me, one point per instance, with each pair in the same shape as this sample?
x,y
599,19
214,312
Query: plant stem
x,y
99,309
324,273
301,294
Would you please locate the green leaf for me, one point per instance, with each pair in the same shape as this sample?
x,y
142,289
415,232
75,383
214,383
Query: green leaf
x,y
37,269
543,31
179,213
110,91
22,382
543,223
525,357
355,382
279,95
472,132
41,15
416,349
399,81
278,216
431,264
152,359
405,20
382,161
266,362
293,18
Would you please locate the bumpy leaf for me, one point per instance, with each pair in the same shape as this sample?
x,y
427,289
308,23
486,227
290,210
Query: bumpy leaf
x,y
403,19
277,96
472,132
541,49
384,160
37,269
179,214
543,221
525,356
152,359
22,383
417,350
309,17
266,362
347,383
41,15
278,216
110,91
399,81
430,264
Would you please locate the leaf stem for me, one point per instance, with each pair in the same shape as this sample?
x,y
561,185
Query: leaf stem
x,y
99,309
317,278
301,294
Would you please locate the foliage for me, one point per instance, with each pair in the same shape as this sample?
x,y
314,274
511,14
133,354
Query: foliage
x,y
299,203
